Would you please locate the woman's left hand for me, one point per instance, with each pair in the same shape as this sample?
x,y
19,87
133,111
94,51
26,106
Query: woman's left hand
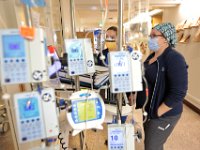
x,y
163,109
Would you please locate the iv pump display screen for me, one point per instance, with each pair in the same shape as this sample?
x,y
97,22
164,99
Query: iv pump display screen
x,y
13,46
116,137
120,63
86,110
75,50
28,107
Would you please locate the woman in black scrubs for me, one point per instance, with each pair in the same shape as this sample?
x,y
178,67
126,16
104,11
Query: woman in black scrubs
x,y
167,76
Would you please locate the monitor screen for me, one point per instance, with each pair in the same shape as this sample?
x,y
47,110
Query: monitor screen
x,y
28,107
90,106
120,63
13,46
75,50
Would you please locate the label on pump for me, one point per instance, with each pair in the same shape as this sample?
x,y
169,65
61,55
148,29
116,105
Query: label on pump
x,y
27,32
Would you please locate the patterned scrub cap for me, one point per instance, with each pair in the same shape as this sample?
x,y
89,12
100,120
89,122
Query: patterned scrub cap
x,y
169,32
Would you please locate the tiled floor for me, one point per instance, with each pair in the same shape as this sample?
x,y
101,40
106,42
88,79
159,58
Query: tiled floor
x,y
186,135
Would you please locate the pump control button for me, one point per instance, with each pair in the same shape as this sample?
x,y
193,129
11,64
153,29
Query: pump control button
x,y
7,80
24,138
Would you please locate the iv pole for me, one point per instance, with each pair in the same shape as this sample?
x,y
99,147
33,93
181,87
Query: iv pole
x,y
119,47
73,29
7,97
120,23
77,81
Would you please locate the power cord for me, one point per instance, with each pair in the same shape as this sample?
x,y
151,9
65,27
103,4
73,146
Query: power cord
x,y
62,143
147,95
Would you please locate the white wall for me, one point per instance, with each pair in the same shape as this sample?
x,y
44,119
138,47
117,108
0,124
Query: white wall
x,y
191,51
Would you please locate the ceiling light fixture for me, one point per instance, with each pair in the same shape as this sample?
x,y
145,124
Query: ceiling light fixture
x,y
155,12
94,8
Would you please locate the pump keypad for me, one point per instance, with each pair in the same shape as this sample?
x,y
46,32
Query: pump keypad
x,y
15,70
121,82
31,129
77,66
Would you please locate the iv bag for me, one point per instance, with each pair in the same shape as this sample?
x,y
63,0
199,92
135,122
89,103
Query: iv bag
x,y
137,7
99,39
138,27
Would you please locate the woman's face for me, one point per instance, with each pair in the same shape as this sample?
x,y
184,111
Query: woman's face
x,y
157,41
111,34
157,34
111,39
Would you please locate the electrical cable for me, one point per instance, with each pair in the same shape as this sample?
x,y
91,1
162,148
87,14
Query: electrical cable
x,y
104,17
62,143
147,95
146,88
62,134
83,134
92,83
86,116
61,20
102,57
136,124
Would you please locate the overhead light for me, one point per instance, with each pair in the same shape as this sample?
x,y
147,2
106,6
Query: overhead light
x,y
155,12
165,2
143,17
94,8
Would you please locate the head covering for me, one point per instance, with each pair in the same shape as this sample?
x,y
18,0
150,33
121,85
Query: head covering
x,y
169,32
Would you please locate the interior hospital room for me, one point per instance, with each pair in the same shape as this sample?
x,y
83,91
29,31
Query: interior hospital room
x,y
99,75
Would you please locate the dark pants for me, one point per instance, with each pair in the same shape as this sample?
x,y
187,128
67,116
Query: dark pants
x,y
158,130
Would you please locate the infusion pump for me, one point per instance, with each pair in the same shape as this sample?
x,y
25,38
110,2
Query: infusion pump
x,y
121,137
87,111
22,60
125,71
80,56
36,115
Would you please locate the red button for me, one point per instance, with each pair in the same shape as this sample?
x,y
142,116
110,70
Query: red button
x,y
51,49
